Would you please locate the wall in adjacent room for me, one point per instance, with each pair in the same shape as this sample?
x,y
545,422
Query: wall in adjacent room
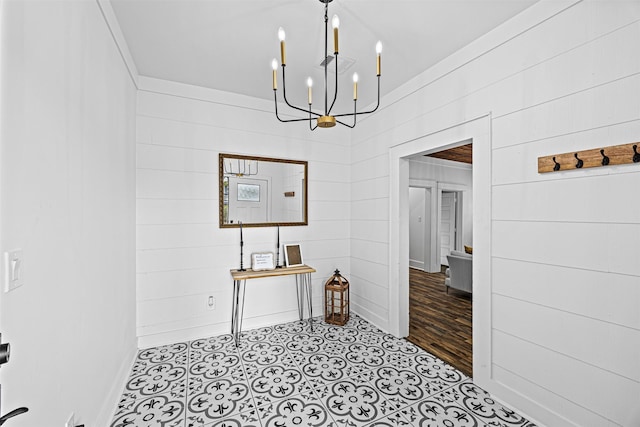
x,y
183,256
68,201
450,176
564,335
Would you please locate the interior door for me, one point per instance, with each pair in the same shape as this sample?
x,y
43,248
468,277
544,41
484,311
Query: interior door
x,y
248,200
447,225
417,227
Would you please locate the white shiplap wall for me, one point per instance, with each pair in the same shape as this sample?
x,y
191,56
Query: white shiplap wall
x,y
564,334
182,254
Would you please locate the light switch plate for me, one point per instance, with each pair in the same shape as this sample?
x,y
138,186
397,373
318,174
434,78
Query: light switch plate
x,y
13,269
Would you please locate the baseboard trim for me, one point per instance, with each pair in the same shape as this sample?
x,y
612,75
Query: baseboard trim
x,y
112,398
370,317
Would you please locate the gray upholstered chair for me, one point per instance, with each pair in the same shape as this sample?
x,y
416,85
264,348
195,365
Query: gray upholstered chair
x,y
459,272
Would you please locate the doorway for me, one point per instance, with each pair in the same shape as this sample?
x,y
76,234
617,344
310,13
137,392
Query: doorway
x,y
477,131
440,318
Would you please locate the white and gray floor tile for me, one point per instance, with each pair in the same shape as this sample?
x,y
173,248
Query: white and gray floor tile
x,y
295,375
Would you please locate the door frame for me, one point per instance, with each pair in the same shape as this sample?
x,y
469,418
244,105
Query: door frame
x,y
477,130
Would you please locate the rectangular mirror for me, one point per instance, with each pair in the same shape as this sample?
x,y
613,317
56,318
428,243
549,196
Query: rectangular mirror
x,y
261,191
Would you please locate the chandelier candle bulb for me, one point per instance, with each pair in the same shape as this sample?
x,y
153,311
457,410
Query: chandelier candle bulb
x,y
309,86
335,22
355,86
274,65
379,52
283,54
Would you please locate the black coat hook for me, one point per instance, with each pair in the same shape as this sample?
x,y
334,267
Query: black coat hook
x,y
580,162
636,155
556,167
605,159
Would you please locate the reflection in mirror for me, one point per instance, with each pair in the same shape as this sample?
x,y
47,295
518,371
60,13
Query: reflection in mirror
x,y
262,192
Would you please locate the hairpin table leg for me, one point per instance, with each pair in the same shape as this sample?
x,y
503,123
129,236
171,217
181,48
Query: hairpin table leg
x,y
244,287
238,309
309,296
300,296
234,310
303,284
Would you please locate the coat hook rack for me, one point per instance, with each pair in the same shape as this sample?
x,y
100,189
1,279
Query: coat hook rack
x,y
615,155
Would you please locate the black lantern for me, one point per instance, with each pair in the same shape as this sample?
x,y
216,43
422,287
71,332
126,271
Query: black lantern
x,y
336,300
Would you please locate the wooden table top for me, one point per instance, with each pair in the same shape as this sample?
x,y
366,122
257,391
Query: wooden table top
x,y
284,271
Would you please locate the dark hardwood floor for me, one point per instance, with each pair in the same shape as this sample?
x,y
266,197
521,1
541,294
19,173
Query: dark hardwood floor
x,y
439,322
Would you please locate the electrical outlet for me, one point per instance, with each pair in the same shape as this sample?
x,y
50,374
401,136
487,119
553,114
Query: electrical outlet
x,y
71,422
211,303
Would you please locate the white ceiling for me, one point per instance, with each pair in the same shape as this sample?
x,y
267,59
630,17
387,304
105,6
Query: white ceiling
x,y
229,44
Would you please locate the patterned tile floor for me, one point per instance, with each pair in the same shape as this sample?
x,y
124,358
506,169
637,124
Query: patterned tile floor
x,y
287,375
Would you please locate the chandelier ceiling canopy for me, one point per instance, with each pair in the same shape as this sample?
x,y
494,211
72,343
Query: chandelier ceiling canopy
x,y
324,119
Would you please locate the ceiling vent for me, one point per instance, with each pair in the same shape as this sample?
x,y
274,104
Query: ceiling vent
x,y
344,64
327,60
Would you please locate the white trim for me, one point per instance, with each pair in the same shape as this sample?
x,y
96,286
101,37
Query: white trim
x,y
422,183
199,93
443,162
114,394
520,24
116,32
447,186
479,130
214,96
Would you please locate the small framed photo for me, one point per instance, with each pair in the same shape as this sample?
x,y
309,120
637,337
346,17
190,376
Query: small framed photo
x,y
262,261
292,255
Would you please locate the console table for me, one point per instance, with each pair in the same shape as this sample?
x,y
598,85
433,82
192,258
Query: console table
x,y
303,281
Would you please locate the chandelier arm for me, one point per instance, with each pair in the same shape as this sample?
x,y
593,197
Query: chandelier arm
x,y
284,95
363,112
354,116
294,120
311,119
275,98
344,124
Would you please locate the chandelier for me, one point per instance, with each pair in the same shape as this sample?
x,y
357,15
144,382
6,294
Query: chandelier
x,y
325,119
240,167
